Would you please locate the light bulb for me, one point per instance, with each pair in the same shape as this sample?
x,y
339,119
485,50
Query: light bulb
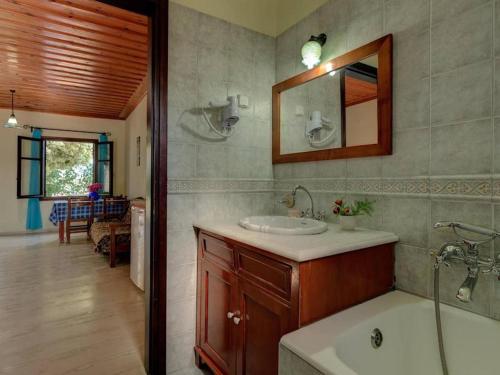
x,y
11,122
311,53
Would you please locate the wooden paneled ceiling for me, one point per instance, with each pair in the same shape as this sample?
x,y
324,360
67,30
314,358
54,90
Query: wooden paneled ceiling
x,y
76,57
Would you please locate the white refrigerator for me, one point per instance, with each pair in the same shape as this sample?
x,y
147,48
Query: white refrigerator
x,y
137,246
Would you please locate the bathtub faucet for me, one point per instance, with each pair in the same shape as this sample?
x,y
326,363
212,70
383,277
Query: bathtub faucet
x,y
466,251
464,293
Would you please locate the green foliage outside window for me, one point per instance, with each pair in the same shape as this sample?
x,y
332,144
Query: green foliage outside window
x,y
69,168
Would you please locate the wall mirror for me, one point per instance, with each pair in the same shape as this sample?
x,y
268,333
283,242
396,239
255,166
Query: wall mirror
x,y
340,109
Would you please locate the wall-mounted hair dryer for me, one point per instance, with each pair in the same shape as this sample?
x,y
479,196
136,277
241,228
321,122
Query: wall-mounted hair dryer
x,y
315,123
229,116
230,111
313,128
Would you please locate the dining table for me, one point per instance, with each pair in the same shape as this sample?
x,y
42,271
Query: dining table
x,y
59,213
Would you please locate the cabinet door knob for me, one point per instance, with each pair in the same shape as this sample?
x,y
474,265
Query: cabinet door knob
x,y
236,320
230,315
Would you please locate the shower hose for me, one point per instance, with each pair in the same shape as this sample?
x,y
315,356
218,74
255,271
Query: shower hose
x,y
437,310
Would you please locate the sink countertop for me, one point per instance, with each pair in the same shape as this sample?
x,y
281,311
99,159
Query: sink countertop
x,y
301,248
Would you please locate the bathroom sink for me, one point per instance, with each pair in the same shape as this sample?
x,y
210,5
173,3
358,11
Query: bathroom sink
x,y
283,225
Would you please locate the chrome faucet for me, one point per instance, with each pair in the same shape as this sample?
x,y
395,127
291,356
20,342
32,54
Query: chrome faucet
x,y
465,291
466,251
289,201
310,211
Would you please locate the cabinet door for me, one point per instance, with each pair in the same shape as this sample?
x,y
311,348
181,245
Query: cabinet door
x,y
265,318
218,297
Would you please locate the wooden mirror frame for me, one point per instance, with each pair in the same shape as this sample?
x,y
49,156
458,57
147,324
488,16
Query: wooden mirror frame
x,y
382,47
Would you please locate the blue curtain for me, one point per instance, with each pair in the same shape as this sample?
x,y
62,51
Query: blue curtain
x,y
102,155
34,215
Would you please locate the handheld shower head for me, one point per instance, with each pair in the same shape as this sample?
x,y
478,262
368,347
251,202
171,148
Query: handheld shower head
x,y
468,228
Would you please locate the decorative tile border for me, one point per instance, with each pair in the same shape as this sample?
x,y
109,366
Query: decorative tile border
x,y
316,184
407,186
449,187
459,187
496,189
378,186
478,187
191,186
364,186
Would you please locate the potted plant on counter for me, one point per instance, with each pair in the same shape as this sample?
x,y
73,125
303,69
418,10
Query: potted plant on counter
x,y
348,212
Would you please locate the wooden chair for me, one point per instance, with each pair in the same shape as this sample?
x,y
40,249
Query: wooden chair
x,y
117,247
115,208
83,224
112,237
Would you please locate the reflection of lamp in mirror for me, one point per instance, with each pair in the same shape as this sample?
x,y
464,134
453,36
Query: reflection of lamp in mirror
x,y
311,50
329,69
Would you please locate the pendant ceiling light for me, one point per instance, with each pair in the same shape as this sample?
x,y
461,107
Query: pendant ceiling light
x,y
12,121
311,50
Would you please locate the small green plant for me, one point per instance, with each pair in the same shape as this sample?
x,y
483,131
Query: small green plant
x,y
364,207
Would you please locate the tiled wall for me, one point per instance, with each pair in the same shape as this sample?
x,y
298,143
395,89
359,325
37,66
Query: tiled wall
x,y
321,94
446,160
211,179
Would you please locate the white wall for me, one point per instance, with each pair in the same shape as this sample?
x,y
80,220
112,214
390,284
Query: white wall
x,y
362,123
270,17
13,210
257,15
136,126
289,12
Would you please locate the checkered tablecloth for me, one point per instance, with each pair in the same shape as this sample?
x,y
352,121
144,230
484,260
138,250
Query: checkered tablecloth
x,y
60,211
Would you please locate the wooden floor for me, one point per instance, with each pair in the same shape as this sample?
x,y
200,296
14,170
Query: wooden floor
x,y
64,311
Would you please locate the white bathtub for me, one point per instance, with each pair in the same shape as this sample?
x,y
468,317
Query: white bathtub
x,y
341,345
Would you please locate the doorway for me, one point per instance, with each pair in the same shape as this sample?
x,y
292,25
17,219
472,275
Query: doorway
x,y
156,219
154,142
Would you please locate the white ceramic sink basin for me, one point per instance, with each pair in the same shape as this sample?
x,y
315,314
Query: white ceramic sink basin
x,y
283,225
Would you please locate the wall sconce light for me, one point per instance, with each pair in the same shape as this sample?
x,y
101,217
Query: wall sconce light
x,y
311,50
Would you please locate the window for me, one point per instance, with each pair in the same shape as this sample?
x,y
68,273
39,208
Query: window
x,y
69,167
54,168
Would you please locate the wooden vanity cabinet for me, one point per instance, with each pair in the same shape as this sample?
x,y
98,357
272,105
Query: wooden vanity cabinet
x,y
247,298
219,295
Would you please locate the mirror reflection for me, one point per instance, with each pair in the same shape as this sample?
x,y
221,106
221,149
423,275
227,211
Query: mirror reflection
x,y
338,109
